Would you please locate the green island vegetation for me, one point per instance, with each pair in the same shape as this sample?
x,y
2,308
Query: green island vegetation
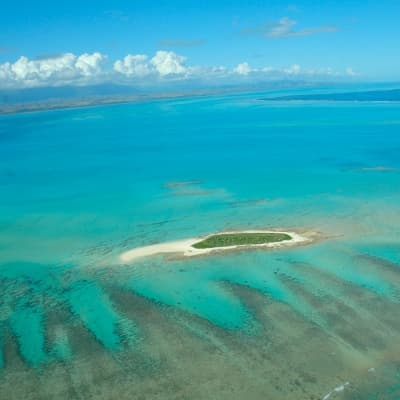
x,y
241,239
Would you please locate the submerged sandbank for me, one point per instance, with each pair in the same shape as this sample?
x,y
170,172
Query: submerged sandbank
x,y
185,247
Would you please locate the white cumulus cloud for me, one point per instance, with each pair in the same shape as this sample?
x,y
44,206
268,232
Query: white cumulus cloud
x,y
54,71
162,64
133,65
242,69
350,72
294,69
89,69
89,64
168,62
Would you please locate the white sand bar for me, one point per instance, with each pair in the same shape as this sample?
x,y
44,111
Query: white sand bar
x,y
185,247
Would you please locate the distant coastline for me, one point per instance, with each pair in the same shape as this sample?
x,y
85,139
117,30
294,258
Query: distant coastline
x,y
83,101
93,100
388,95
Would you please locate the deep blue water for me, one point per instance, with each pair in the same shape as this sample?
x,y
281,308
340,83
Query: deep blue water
x,y
80,186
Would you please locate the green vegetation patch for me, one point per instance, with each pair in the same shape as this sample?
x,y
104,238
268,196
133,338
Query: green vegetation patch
x,y
240,239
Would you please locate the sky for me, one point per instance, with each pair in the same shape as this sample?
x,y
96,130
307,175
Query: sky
x,y
149,42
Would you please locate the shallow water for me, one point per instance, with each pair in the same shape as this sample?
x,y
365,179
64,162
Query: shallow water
x,y
78,187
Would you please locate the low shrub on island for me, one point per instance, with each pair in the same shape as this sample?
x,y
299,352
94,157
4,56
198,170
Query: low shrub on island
x,y
241,239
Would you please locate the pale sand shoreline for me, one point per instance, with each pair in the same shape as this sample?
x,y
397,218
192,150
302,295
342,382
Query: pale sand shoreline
x,y
185,247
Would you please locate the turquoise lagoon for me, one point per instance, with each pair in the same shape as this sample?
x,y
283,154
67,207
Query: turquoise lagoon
x,y
80,186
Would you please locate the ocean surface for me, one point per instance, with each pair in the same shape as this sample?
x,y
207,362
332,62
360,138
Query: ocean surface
x,y
80,186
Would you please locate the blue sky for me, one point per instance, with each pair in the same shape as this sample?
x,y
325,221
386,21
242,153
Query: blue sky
x,y
300,38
